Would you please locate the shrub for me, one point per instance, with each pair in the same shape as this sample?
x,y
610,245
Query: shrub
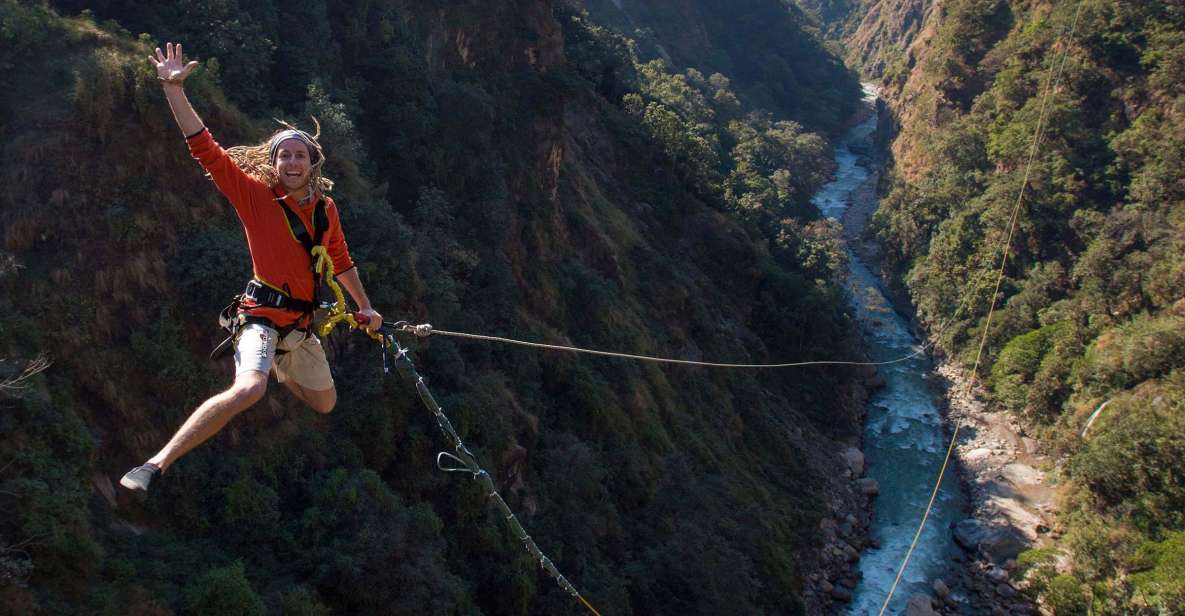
x,y
250,505
1132,459
223,591
24,28
1099,548
1017,364
1162,574
1147,347
692,147
1067,596
303,602
370,552
1038,567
1030,362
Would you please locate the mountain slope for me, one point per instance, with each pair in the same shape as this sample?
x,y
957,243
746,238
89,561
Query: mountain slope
x,y
486,185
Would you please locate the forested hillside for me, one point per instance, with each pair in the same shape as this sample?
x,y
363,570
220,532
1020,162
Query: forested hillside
x,y
1092,308
503,167
765,47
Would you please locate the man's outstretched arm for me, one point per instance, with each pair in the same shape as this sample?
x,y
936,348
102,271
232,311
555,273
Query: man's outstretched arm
x,y
172,70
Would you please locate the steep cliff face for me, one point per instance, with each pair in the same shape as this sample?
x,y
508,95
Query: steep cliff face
x,y
512,38
933,79
484,186
505,36
887,32
926,84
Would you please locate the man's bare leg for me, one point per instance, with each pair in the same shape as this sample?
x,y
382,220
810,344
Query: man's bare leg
x,y
320,400
211,416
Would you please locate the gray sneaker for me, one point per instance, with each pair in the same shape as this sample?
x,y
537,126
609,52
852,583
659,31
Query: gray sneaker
x,y
138,479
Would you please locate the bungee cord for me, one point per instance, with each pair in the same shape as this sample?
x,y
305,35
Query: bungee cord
x,y
466,461
425,330
395,354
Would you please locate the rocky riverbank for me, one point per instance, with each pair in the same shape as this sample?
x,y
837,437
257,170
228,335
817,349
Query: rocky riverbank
x,y
845,528
845,533
1011,497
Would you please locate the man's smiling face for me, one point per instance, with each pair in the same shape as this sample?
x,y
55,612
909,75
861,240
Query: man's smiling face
x,y
293,164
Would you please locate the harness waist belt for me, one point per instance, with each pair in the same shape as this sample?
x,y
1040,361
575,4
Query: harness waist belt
x,y
266,296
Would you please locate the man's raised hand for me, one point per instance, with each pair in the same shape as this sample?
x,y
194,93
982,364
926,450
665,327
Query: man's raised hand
x,y
170,68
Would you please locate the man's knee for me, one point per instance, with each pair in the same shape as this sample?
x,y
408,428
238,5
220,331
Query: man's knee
x,y
249,387
323,401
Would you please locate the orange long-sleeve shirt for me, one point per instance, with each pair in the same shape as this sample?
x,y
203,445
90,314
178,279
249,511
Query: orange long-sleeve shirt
x,y
277,258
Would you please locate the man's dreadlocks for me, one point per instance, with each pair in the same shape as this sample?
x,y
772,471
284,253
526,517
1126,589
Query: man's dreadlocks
x,y
256,160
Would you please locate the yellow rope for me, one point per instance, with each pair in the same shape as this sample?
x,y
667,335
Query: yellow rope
x,y
323,265
1050,84
589,606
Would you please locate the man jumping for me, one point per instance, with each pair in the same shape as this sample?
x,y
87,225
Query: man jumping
x,y
278,191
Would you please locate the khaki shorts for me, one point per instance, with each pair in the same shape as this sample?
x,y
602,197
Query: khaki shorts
x,y
304,361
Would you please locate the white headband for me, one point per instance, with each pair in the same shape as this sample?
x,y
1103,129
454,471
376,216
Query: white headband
x,y
299,135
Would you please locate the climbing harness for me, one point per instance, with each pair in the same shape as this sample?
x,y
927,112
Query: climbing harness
x,y
264,295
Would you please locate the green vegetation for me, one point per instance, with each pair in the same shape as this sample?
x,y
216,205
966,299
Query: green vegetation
x,y
762,169
1091,306
1160,574
224,590
501,169
770,50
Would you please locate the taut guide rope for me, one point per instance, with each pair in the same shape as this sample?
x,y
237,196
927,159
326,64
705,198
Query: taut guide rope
x,y
426,330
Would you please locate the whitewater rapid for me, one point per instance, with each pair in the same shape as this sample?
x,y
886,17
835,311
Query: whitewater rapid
x,y
904,435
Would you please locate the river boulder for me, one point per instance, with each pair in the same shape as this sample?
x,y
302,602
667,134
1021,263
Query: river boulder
x,y
920,605
995,542
855,459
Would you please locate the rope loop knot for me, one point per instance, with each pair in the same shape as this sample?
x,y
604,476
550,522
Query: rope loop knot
x,y
421,331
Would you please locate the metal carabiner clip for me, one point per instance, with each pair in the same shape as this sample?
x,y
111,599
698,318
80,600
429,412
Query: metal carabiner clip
x,y
463,468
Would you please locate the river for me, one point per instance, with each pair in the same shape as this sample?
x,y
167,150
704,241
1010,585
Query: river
x,y
905,437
